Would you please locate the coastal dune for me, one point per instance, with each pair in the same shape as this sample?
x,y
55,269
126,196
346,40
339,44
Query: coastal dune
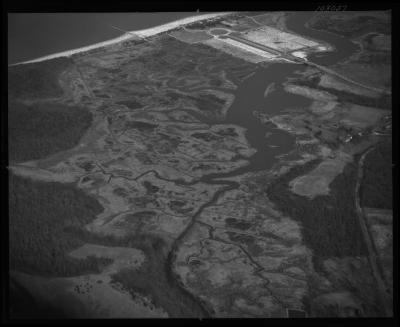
x,y
129,35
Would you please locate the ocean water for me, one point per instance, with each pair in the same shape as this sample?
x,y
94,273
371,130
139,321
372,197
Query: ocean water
x,y
33,35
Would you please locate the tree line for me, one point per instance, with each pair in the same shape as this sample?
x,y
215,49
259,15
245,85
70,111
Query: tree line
x,y
329,223
38,130
39,212
377,185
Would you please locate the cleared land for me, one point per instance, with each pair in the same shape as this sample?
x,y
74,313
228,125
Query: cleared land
x,y
245,47
317,181
277,39
191,36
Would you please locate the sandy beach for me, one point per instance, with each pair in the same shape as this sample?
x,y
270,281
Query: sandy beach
x,y
127,36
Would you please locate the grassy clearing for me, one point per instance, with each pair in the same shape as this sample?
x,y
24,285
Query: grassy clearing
x,y
235,51
318,181
361,117
191,36
383,101
277,39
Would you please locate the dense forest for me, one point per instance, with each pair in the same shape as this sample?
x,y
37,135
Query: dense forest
x,y
377,184
329,223
39,130
36,80
38,214
154,279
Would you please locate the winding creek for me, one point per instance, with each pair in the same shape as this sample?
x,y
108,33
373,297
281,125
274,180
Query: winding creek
x,y
249,96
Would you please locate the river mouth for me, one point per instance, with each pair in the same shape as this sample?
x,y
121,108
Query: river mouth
x,y
269,141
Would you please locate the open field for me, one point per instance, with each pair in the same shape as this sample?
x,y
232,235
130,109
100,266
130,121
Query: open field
x,y
122,257
361,117
277,39
317,181
188,36
87,296
240,50
331,82
310,93
346,91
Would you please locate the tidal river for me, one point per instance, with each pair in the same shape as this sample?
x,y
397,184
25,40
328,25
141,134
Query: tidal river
x,y
249,97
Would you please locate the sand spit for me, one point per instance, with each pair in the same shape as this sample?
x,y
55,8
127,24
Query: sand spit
x,y
129,35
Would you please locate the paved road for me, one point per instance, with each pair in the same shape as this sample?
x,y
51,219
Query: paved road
x,y
289,56
373,258
332,72
254,44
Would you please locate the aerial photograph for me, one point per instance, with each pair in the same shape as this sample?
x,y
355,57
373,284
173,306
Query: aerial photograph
x,y
232,164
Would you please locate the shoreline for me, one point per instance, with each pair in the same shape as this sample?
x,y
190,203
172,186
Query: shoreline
x,y
127,36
